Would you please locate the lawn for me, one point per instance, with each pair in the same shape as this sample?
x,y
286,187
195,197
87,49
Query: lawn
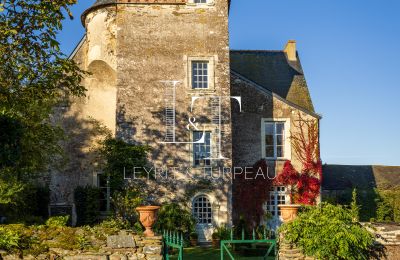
x,y
199,253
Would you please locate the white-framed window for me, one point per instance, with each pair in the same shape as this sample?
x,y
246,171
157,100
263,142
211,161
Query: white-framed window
x,y
275,139
200,1
200,73
202,210
202,151
200,76
277,196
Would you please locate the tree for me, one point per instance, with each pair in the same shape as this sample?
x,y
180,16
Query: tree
x,y
35,76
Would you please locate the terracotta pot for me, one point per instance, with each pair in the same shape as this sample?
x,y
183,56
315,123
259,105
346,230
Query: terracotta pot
x,y
216,243
289,212
148,216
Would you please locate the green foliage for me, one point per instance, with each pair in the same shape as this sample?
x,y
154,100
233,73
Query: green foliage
x,y
392,197
329,232
8,238
29,206
35,240
222,232
58,221
115,223
354,208
386,204
125,203
35,76
119,155
87,202
175,217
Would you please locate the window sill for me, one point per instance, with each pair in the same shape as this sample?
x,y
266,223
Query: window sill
x,y
201,90
276,159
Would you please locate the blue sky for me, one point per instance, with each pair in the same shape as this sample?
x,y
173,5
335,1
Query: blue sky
x,y
350,52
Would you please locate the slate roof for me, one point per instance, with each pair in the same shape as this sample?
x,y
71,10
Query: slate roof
x,y
273,71
340,177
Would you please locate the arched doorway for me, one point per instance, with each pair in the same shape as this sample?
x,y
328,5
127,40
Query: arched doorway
x,y
203,214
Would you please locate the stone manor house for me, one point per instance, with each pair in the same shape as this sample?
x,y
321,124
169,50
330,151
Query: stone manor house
x,y
163,74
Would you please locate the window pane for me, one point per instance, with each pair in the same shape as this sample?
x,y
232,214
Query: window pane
x,y
269,128
279,140
200,74
279,151
202,210
202,150
269,151
269,140
280,128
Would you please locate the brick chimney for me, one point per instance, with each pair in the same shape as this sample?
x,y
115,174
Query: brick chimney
x,y
290,50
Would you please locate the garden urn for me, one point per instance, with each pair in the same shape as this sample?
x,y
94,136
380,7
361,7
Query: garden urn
x,y
289,212
148,216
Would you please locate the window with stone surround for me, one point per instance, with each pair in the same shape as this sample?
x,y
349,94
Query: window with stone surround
x,y
201,73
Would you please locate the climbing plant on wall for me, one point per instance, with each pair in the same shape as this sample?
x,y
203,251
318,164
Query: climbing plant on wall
x,y
304,186
251,191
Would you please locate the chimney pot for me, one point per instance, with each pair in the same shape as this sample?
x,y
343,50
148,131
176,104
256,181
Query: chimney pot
x,y
290,50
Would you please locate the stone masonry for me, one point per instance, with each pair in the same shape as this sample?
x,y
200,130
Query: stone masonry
x,y
124,246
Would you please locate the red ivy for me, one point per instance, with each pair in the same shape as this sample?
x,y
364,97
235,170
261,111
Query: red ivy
x,y
304,187
251,192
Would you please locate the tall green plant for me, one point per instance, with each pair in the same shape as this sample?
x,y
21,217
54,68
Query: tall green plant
x,y
176,218
87,202
328,232
120,157
354,208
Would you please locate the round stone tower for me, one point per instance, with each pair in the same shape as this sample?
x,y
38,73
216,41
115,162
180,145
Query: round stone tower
x,y
134,49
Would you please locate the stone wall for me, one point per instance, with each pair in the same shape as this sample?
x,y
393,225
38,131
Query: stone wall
x,y
124,246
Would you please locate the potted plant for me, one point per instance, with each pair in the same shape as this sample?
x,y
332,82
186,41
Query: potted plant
x,y
148,216
216,239
193,238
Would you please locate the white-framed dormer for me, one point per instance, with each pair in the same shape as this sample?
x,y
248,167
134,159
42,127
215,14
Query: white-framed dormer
x,y
275,139
200,73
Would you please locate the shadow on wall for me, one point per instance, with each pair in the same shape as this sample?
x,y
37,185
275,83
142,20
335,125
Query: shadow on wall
x,y
81,157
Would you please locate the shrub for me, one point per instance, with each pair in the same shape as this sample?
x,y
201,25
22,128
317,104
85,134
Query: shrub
x,y
87,202
8,239
223,232
174,217
328,232
115,223
125,203
58,221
